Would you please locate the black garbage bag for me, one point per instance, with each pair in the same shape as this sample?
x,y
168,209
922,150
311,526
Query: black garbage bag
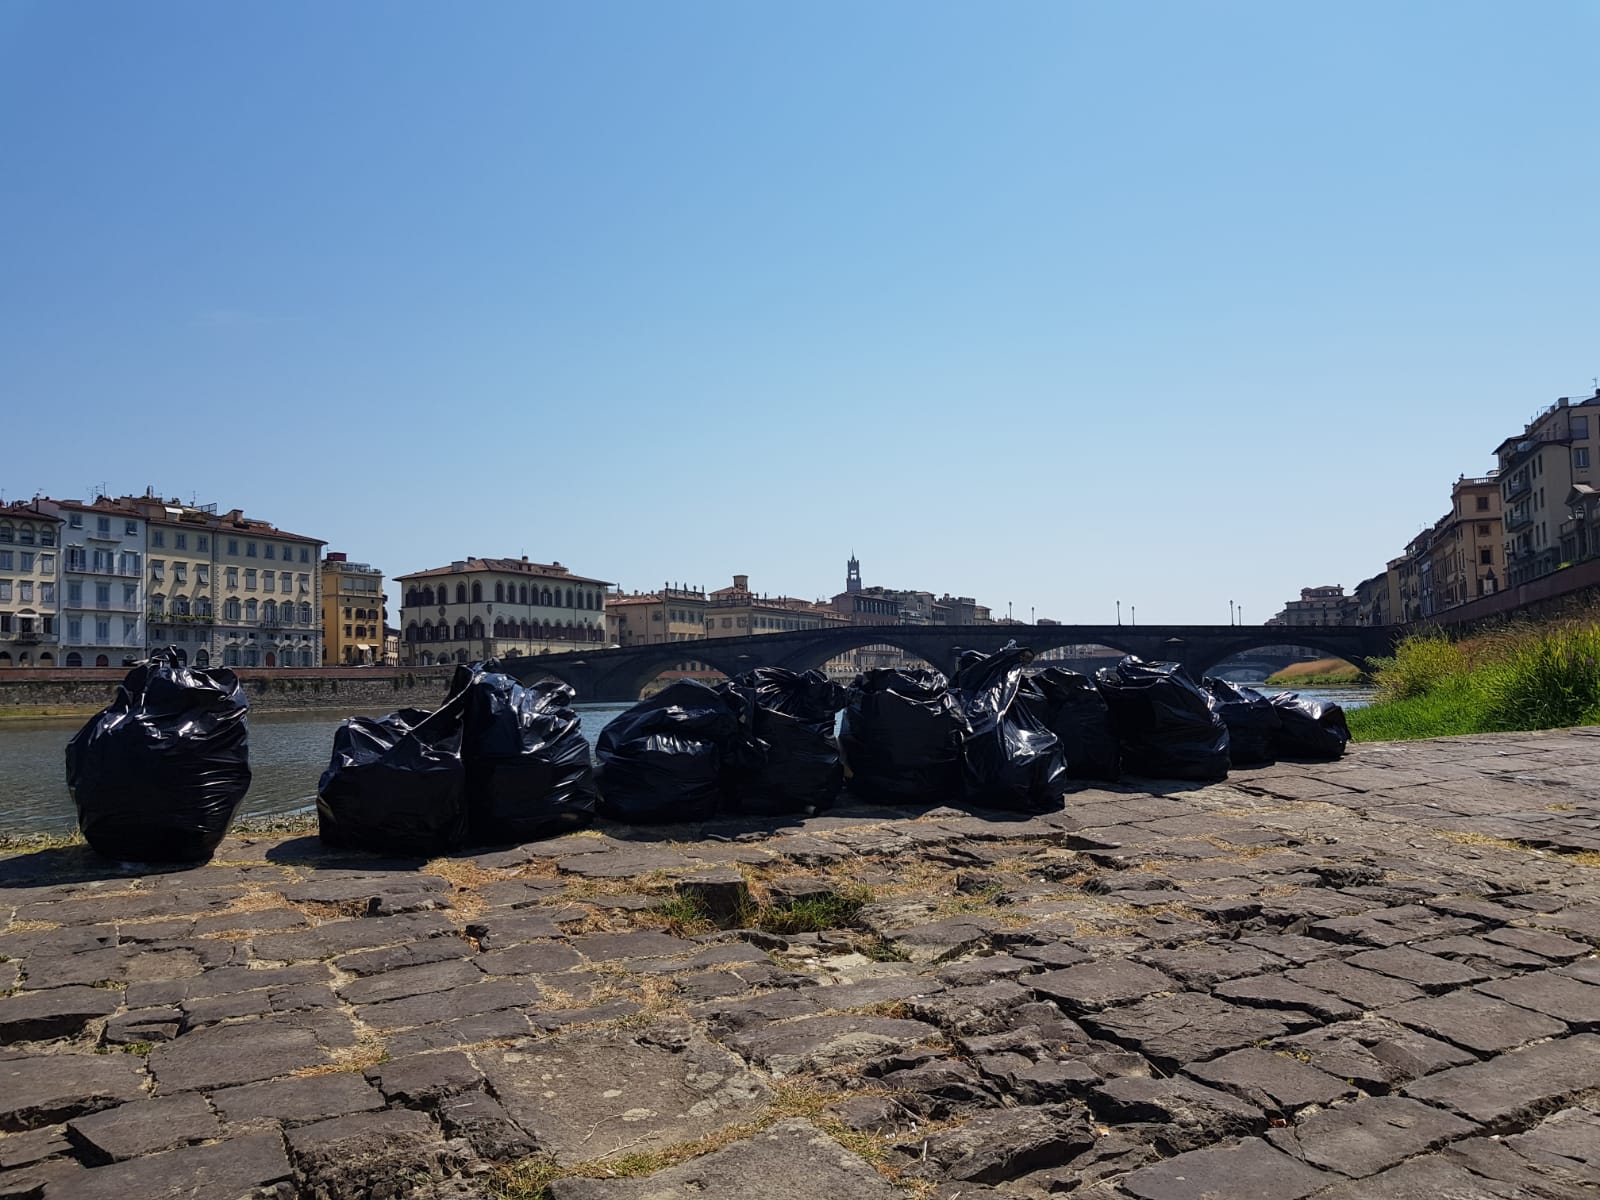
x,y
901,738
1251,719
1308,728
661,760
1162,719
158,774
528,770
788,759
396,784
1009,758
1071,707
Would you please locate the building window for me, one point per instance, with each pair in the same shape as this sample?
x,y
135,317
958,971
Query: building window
x,y
270,551
250,579
1580,458
180,541
233,545
202,543
129,528
250,552
158,537
1486,556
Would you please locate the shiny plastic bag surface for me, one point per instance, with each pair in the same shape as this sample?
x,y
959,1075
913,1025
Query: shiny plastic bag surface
x,y
1309,728
787,760
1164,722
396,784
158,775
529,773
1251,719
901,738
1071,707
661,760
1009,758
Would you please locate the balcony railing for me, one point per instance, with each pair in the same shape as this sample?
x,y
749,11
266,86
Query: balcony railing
x,y
1517,486
169,618
22,639
1517,519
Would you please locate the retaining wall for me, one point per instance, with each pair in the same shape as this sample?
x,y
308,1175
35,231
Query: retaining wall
x,y
269,690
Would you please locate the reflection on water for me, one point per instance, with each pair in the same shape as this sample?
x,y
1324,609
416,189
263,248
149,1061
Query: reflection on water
x,y
288,752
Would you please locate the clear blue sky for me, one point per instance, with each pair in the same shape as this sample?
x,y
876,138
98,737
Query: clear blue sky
x,y
1052,303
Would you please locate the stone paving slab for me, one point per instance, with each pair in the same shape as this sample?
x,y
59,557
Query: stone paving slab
x,y
1374,978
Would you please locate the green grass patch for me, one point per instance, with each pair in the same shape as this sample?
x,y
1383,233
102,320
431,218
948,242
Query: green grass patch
x,y
1516,678
686,916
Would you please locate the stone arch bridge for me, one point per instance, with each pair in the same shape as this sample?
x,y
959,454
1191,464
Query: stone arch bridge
x,y
620,674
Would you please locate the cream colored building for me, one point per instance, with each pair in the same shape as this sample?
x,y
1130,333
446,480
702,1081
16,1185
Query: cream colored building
x,y
30,540
1539,469
352,612
736,611
481,608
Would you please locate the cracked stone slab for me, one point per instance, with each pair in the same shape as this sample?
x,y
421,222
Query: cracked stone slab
x,y
35,1092
1188,1027
298,1101
223,1055
1476,1022
1517,1085
1096,985
1426,971
764,1165
1370,1135
222,1170
54,1013
1374,1054
817,1043
410,981
1276,1082
1004,1144
1566,999
1248,1170
143,1127
1187,1115
586,1095
1364,989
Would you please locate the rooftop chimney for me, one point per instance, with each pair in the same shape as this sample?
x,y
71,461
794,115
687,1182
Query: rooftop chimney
x,y
741,583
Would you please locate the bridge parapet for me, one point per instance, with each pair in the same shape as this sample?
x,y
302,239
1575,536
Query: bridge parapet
x,y
620,674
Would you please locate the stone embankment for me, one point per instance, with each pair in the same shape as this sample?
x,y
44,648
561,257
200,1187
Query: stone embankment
x,y
353,689
1367,979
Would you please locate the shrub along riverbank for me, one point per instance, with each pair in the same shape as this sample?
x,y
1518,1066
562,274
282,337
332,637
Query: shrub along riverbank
x,y
1326,672
1513,678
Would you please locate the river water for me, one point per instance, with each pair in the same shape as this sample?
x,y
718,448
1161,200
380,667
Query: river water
x,y
288,752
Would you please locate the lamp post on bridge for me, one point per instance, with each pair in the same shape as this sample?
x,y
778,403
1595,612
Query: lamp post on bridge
x,y
1119,612
1133,614
1230,612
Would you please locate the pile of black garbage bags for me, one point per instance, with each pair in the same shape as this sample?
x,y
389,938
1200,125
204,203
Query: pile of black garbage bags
x,y
498,762
160,773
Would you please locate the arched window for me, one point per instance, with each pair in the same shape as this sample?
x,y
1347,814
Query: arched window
x,y
413,598
461,593
499,627
272,659
499,591
25,534
544,597
427,596
570,604
527,630
477,627
102,661
461,629
597,635
411,633
522,592
202,658
8,534
461,656
74,659
443,629
477,592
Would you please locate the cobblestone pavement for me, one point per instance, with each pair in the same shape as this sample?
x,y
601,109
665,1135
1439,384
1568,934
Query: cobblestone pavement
x,y
1370,979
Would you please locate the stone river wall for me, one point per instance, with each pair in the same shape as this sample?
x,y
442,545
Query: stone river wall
x,y
269,690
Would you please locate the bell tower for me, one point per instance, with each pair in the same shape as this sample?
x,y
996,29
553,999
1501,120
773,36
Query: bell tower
x,y
852,577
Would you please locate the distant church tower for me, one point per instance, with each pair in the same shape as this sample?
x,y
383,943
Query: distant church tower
x,y
852,578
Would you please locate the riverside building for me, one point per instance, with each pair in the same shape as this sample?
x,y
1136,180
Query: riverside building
x,y
102,583
352,612
30,540
480,608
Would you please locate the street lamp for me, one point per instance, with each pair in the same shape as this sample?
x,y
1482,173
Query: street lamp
x,y
1230,612
1119,612
1133,614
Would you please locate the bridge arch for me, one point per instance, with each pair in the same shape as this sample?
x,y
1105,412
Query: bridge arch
x,y
813,655
1359,650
